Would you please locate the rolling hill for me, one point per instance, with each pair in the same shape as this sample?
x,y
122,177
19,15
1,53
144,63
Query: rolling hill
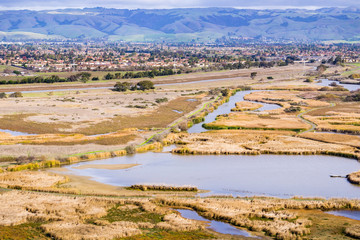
x,y
197,24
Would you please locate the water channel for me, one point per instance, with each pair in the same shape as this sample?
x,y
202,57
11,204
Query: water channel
x,y
216,226
267,175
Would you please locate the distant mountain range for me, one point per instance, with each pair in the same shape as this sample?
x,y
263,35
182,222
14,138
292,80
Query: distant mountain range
x,y
182,25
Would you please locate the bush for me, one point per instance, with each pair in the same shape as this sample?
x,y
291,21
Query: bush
x,y
355,76
183,126
16,95
292,109
131,149
161,100
145,85
122,87
226,92
3,95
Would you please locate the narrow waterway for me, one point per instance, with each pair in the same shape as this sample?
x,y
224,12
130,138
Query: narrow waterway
x,y
216,226
226,108
350,87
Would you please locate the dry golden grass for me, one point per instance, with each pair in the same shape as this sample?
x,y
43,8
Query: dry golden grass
x,y
36,179
117,138
342,139
71,217
353,231
83,231
18,122
107,166
258,142
354,178
159,118
163,188
246,106
271,216
255,121
337,122
284,98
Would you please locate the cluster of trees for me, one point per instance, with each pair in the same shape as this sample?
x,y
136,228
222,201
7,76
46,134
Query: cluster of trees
x,y
145,74
13,95
143,85
84,77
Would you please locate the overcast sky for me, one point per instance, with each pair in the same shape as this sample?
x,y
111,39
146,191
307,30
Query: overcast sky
x,y
132,4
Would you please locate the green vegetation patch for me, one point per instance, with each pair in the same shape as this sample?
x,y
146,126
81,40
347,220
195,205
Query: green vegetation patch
x,y
131,213
170,235
23,231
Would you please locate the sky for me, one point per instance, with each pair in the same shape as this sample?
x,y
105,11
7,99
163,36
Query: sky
x,y
160,4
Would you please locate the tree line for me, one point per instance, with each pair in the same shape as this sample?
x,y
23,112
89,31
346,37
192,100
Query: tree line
x,y
86,76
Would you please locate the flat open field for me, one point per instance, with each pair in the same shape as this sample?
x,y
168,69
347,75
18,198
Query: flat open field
x,y
233,77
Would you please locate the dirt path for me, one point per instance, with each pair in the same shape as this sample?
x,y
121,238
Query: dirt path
x,y
313,125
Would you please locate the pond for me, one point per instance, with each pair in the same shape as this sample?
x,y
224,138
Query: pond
x,y
281,176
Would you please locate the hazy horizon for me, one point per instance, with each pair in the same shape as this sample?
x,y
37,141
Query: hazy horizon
x,y
170,4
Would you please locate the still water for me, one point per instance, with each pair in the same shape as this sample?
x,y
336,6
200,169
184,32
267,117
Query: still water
x,y
346,213
281,176
350,87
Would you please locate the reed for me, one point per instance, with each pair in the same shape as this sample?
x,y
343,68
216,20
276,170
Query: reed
x,y
149,147
353,231
34,166
163,188
354,178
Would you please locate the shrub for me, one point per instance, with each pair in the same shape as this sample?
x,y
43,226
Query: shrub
x,y
122,87
131,149
292,109
183,126
16,95
145,85
161,100
354,76
3,95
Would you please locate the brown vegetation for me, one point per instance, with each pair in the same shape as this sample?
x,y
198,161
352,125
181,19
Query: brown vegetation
x,y
353,231
258,142
354,178
163,188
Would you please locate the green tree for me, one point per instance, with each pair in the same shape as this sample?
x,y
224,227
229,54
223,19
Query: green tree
x,y
17,72
109,76
145,85
16,95
253,75
3,95
122,87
